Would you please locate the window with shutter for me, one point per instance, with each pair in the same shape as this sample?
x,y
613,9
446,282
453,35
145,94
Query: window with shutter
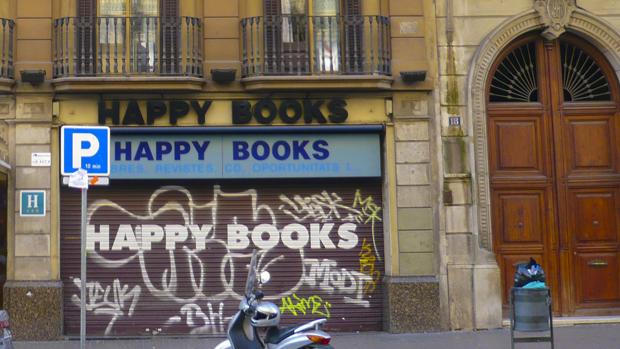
x,y
335,27
85,30
353,27
170,37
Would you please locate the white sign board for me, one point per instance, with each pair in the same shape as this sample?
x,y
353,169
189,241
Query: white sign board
x,y
41,159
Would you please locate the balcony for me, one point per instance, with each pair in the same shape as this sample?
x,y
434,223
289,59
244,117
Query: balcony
x,y
7,72
127,53
317,51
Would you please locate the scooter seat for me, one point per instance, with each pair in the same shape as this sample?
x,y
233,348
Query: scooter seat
x,y
276,335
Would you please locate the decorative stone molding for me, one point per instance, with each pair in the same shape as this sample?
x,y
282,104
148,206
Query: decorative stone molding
x,y
581,22
555,15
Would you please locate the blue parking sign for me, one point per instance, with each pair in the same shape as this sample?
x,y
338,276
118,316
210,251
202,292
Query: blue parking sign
x,y
85,147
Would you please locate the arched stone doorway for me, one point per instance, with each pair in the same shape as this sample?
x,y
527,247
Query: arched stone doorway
x,y
553,138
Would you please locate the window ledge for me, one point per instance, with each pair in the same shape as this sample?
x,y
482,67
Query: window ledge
x,y
6,85
128,83
318,82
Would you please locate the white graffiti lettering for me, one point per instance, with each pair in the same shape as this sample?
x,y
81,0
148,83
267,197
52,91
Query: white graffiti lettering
x,y
198,321
142,237
323,221
318,236
325,275
98,300
324,207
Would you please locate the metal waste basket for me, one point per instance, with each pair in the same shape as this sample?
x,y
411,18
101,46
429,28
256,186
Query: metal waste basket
x,y
531,312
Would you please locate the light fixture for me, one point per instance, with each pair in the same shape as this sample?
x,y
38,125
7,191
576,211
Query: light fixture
x,y
223,75
34,77
413,76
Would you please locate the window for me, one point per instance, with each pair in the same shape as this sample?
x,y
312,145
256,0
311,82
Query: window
x,y
141,17
289,24
135,36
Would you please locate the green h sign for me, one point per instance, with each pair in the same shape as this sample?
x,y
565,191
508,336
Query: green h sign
x,y
32,203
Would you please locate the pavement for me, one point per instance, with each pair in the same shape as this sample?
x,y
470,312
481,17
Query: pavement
x,y
570,337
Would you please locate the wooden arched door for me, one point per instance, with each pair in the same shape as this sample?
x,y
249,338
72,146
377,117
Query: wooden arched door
x,y
554,166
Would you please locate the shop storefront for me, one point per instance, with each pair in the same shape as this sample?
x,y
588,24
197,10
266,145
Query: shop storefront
x,y
170,237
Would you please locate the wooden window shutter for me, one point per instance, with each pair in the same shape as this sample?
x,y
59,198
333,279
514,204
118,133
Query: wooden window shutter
x,y
354,26
170,32
273,38
86,19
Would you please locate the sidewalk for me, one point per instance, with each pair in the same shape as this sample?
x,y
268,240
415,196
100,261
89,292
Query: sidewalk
x,y
574,337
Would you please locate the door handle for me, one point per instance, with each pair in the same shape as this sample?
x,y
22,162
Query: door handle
x,y
597,263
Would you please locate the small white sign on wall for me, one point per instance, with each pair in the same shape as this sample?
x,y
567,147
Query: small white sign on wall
x,y
41,159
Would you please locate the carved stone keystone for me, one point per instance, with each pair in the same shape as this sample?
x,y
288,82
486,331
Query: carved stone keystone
x,y
555,15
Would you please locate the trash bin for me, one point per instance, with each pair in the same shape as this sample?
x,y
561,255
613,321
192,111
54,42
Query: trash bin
x,y
531,312
531,309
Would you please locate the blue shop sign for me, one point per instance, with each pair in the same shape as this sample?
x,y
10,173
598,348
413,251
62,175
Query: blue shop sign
x,y
195,156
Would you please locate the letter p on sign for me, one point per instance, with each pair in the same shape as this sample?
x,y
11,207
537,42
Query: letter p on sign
x,y
85,147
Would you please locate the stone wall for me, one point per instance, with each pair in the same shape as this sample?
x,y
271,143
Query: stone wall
x,y
32,300
472,277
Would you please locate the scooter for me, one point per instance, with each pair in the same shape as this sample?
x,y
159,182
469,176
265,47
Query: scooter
x,y
255,325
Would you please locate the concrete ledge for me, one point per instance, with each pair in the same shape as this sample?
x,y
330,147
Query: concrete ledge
x,y
577,320
318,82
6,85
128,83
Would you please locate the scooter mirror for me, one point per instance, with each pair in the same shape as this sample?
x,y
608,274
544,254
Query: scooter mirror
x,y
264,277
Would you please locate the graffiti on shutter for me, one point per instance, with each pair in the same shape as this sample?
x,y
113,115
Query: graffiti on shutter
x,y
173,259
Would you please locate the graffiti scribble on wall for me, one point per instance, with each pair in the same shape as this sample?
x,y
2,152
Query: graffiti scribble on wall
x,y
368,263
370,212
314,305
178,265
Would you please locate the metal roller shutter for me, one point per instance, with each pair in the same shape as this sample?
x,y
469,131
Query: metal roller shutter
x,y
182,276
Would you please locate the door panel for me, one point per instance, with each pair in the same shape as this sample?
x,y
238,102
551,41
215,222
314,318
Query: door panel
x,y
597,278
518,146
594,216
590,144
521,217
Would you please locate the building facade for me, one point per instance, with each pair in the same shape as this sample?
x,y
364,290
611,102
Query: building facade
x,y
283,126
391,160
529,107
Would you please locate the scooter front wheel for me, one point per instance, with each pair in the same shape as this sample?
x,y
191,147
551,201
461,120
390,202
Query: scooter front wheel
x,y
318,346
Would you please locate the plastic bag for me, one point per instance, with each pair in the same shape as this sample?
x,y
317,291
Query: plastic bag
x,y
529,272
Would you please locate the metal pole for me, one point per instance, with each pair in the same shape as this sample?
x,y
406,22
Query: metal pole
x,y
83,272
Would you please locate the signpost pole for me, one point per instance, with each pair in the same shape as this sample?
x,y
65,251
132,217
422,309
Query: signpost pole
x,y
84,149
83,272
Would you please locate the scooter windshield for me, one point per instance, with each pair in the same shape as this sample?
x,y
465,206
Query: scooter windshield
x,y
250,282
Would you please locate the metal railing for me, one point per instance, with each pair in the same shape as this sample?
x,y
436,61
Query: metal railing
x,y
315,45
7,28
123,46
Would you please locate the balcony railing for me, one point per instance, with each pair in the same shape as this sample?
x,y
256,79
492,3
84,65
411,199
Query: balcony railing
x,y
126,46
7,27
315,45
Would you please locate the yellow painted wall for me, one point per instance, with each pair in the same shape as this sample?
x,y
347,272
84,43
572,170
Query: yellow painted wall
x,y
6,9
